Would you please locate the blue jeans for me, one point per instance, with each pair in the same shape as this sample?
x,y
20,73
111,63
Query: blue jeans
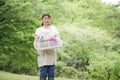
x,y
47,71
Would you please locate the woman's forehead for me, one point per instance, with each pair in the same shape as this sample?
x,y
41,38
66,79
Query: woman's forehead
x,y
46,17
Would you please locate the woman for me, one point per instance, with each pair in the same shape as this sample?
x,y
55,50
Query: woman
x,y
46,58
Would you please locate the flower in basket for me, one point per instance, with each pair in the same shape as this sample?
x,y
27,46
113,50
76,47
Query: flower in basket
x,y
52,40
48,44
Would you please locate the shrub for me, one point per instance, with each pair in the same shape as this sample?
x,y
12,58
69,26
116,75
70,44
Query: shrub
x,y
69,72
4,60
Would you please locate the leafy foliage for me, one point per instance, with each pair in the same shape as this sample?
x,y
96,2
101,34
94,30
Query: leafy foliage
x,y
91,37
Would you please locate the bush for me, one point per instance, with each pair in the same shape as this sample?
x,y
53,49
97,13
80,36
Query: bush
x,y
23,68
4,60
97,76
59,67
69,72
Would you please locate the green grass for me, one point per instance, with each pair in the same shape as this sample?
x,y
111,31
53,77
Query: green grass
x,y
11,76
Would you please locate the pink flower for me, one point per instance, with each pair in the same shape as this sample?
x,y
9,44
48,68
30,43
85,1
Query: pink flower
x,y
53,39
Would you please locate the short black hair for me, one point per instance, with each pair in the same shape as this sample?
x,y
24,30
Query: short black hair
x,y
46,15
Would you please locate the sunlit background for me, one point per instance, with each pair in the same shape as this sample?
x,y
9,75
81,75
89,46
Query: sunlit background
x,y
111,1
90,30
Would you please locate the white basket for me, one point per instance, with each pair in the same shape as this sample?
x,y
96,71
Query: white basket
x,y
49,45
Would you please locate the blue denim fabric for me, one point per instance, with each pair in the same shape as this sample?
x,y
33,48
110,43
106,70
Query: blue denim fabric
x,y
47,71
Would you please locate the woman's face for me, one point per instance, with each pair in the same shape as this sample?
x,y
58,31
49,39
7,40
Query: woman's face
x,y
46,20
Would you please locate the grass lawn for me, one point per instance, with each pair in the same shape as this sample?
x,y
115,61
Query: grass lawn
x,y
11,76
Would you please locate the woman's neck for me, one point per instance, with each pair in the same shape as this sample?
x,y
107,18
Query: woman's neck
x,y
46,26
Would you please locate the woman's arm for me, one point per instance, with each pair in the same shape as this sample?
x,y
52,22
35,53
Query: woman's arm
x,y
36,39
